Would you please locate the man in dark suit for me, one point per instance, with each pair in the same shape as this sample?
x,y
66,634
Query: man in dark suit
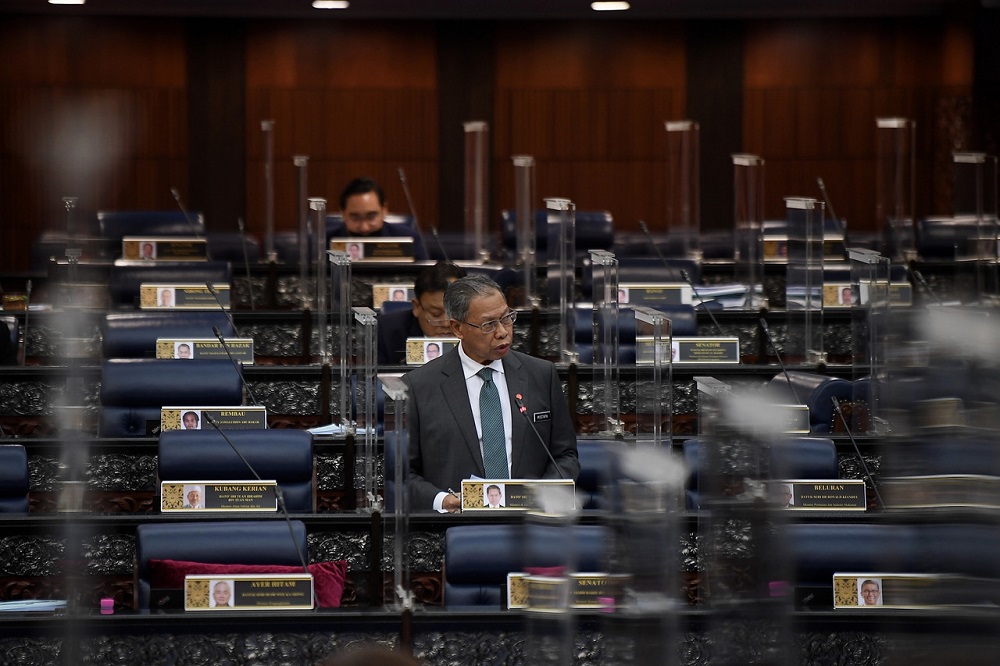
x,y
447,437
363,207
427,319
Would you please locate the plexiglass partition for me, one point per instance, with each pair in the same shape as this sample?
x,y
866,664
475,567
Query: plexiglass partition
x,y
267,126
654,404
524,195
804,280
894,177
683,213
366,412
874,338
301,163
748,226
476,195
318,207
339,325
561,233
397,435
607,395
975,202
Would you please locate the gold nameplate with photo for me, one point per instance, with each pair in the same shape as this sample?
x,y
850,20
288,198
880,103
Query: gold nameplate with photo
x,y
818,495
654,294
227,418
363,249
247,592
421,350
236,349
938,491
164,248
872,591
186,496
399,292
510,494
900,294
838,295
691,350
182,297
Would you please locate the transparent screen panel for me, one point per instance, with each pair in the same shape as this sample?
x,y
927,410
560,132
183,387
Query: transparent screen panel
x,y
683,213
267,127
975,205
341,353
895,166
524,192
607,394
301,163
561,221
321,298
366,359
398,509
804,280
748,226
653,377
875,337
476,195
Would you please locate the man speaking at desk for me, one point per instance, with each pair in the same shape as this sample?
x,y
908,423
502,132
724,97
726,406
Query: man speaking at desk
x,y
464,416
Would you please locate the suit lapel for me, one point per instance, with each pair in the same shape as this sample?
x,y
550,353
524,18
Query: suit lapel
x,y
517,383
456,396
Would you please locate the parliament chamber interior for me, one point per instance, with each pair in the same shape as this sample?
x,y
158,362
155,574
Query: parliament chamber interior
x,y
755,242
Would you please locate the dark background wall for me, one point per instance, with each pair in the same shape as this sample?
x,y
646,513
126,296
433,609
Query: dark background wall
x,y
118,110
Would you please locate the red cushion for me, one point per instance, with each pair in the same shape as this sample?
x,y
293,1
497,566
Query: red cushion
x,y
328,577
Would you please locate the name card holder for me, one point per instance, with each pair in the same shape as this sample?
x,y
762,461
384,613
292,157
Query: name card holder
x,y
241,349
941,491
900,293
397,248
819,495
228,418
583,591
392,292
187,496
181,296
872,591
421,350
654,294
691,350
792,419
512,494
164,248
248,592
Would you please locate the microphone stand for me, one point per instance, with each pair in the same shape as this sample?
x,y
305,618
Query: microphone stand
x,y
215,294
777,354
246,260
187,218
237,365
864,466
524,412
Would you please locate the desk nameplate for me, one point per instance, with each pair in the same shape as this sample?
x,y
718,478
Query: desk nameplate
x,y
248,592
819,494
875,590
164,248
654,294
421,350
689,350
937,491
398,292
513,494
362,249
227,418
188,496
181,296
240,349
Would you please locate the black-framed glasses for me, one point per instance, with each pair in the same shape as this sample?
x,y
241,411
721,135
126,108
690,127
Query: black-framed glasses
x,y
489,327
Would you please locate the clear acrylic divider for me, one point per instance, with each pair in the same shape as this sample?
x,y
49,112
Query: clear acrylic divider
x,y
654,398
561,234
607,389
874,335
365,369
301,163
804,281
320,300
895,171
476,179
975,176
267,126
683,212
339,325
398,435
748,226
524,195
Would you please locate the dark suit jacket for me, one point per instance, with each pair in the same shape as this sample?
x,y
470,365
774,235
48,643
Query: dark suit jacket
x,y
444,447
393,330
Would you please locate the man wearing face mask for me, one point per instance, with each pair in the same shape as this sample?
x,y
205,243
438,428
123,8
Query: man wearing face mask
x,y
427,319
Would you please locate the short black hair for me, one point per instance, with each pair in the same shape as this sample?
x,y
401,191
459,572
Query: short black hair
x,y
361,186
436,278
460,293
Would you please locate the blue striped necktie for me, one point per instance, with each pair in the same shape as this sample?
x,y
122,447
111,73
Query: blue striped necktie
x,y
491,419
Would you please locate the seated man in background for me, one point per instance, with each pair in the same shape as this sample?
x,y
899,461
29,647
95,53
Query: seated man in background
x,y
464,414
427,318
363,208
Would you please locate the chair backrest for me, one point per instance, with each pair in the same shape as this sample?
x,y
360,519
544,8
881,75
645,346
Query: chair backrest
x,y
14,479
134,390
595,472
479,557
229,246
646,270
815,392
134,334
282,455
237,542
115,224
594,230
126,277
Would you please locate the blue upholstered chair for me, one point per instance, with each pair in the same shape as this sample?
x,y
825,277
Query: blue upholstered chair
x,y
479,557
683,320
14,479
815,392
134,390
596,464
126,277
595,230
134,334
285,456
267,542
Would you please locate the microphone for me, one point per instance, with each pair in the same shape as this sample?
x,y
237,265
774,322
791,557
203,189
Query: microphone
x,y
215,294
278,493
27,314
684,274
524,412
413,214
194,227
826,197
864,466
767,334
237,365
246,259
923,283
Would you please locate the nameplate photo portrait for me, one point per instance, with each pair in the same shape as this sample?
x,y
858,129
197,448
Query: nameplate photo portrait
x,y
164,248
510,494
818,495
422,350
236,350
248,592
182,296
227,418
839,295
362,249
189,496
654,294
398,292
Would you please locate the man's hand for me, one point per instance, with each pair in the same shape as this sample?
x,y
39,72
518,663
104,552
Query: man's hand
x,y
452,503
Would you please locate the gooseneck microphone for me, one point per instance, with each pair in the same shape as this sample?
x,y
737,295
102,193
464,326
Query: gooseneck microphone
x,y
864,466
237,365
524,412
278,493
187,217
826,197
246,259
777,354
923,283
694,290
215,294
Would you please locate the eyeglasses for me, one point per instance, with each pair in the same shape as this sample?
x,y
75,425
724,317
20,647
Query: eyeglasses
x,y
489,327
